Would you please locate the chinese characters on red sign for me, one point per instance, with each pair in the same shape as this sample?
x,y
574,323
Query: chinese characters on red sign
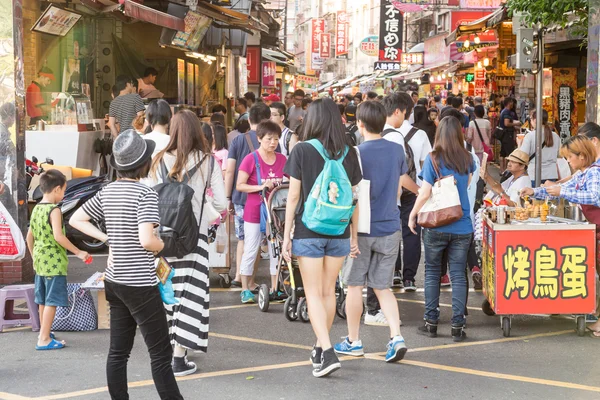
x,y
269,74
550,272
390,32
318,27
325,45
253,64
341,35
480,88
412,58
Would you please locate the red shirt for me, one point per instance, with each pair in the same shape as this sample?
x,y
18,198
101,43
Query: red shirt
x,y
34,99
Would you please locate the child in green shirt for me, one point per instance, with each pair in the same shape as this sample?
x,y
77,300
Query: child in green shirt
x,y
48,246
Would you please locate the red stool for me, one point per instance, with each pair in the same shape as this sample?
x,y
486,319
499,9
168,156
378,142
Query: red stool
x,y
8,318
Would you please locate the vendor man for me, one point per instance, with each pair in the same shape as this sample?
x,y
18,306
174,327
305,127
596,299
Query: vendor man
x,y
509,190
146,88
37,107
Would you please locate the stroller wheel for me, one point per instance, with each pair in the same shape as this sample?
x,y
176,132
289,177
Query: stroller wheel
x,y
225,281
340,310
263,298
290,310
302,310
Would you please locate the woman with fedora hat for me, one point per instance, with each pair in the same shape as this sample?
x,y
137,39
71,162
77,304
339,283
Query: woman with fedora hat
x,y
509,189
130,211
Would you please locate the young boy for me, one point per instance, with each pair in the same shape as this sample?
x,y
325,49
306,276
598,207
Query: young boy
x,y
384,165
48,246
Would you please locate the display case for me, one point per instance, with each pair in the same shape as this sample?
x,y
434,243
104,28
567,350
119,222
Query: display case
x,y
71,109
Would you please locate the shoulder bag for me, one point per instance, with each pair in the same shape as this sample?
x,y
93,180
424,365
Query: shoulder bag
x,y
364,201
443,206
263,197
208,212
486,149
79,315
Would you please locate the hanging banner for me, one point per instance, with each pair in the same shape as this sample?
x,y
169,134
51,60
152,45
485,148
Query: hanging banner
x,y
341,35
325,45
564,96
390,32
386,66
269,74
369,45
412,58
318,27
307,83
481,3
436,51
480,88
253,64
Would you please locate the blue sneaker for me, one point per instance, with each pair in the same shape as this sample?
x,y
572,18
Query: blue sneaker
x,y
591,318
248,297
396,350
350,349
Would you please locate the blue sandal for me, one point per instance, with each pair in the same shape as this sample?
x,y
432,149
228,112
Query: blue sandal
x,y
53,345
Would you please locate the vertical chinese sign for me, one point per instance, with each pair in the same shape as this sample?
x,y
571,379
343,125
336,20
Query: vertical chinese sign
x,y
269,74
480,88
253,64
325,45
390,32
341,35
564,93
317,31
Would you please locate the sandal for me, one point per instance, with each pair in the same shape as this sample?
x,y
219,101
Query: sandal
x,y
53,345
235,283
594,334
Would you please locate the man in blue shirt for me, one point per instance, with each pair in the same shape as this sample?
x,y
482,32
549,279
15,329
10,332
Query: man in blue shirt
x,y
383,164
240,147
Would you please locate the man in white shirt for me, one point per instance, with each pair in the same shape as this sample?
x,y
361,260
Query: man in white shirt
x,y
399,107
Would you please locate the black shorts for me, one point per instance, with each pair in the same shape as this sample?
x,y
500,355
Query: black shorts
x,y
507,145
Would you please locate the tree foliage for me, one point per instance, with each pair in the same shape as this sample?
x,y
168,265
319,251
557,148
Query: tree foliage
x,y
550,12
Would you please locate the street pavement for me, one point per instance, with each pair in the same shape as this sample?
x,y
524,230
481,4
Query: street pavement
x,y
262,355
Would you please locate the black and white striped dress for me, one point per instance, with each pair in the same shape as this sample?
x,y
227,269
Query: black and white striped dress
x,y
189,320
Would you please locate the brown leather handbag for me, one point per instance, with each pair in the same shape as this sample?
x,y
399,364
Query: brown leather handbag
x,y
443,206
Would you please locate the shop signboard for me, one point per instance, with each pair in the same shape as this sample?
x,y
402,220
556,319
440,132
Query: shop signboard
x,y
243,74
180,81
480,88
316,62
370,45
317,29
325,45
525,273
56,21
564,85
412,58
481,3
436,51
190,83
387,66
341,35
269,74
196,26
253,64
306,83
390,32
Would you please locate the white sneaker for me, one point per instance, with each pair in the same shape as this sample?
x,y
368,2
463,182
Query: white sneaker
x,y
376,320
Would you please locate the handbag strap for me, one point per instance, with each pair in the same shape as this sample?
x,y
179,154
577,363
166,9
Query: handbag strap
x,y
435,167
531,157
206,185
257,164
478,131
249,141
359,160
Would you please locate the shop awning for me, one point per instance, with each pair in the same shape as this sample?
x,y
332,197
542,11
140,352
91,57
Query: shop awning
x,y
231,17
147,14
326,85
278,57
408,75
481,25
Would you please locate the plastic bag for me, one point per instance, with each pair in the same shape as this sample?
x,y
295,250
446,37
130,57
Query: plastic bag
x,y
222,239
166,290
12,244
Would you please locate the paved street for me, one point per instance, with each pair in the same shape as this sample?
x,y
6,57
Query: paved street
x,y
262,355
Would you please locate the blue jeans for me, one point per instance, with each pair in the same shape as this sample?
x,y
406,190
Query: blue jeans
x,y
458,247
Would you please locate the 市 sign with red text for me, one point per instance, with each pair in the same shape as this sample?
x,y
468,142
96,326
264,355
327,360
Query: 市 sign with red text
x,y
341,35
390,32
549,272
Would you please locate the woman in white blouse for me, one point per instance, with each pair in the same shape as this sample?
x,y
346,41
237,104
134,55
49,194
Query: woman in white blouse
x,y
550,149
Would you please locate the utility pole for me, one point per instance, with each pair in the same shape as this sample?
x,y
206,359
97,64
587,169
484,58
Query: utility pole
x,y
539,127
285,26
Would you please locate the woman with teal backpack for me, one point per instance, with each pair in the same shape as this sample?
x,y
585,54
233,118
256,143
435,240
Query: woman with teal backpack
x,y
321,203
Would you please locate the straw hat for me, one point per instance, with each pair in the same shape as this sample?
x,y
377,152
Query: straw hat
x,y
519,156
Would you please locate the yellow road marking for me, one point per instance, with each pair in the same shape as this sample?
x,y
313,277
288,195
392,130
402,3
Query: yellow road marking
x,y
240,306
19,328
10,396
441,304
260,341
496,375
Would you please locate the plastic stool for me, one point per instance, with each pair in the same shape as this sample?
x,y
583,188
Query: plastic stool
x,y
8,318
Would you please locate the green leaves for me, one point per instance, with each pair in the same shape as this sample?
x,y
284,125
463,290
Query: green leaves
x,y
550,12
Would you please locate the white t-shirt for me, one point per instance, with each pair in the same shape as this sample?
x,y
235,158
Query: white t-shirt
x,y
549,156
161,140
419,144
512,188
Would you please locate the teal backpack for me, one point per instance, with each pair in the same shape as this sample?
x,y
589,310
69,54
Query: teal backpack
x,y
328,211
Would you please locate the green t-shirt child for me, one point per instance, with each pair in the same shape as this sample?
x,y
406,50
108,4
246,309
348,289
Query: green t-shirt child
x,y
49,257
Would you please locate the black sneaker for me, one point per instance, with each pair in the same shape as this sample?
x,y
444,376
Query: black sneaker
x,y
477,281
183,367
397,280
428,329
458,333
409,286
329,364
315,356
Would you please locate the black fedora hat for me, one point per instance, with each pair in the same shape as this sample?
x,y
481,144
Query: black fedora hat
x,y
130,151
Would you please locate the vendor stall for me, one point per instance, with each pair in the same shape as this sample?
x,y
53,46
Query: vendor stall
x,y
535,267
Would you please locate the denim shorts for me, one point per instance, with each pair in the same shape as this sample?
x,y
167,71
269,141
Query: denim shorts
x,y
319,247
238,220
51,291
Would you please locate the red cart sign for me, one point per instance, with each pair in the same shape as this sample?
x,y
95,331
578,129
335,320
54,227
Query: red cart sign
x,y
539,272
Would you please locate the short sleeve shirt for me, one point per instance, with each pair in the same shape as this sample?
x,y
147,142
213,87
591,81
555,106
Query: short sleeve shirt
x,y
305,164
268,172
383,164
124,206
34,100
507,114
464,225
125,108
49,257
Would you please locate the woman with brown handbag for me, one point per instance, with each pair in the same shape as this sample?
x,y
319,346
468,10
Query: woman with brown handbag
x,y
448,158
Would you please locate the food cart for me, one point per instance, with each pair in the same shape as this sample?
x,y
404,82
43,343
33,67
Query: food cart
x,y
535,267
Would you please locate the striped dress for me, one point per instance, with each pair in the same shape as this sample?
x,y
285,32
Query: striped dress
x,y
189,320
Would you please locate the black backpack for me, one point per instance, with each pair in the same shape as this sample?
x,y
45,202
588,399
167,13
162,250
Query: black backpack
x,y
351,133
410,156
179,228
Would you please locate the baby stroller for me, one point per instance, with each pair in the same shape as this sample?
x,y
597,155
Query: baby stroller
x,y
289,279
